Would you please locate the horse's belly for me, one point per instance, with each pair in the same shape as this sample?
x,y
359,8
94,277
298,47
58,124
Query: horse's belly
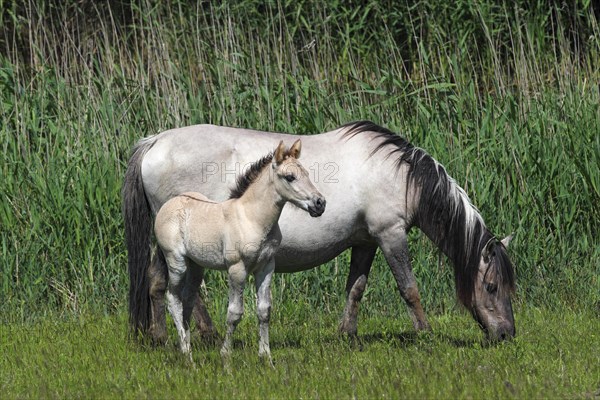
x,y
293,258
309,242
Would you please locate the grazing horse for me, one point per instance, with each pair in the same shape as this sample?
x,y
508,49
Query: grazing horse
x,y
240,235
378,187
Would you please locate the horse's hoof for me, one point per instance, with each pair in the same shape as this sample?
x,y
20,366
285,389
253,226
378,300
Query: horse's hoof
x,y
158,337
347,329
207,337
422,326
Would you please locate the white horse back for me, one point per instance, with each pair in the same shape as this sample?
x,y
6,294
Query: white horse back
x,y
358,188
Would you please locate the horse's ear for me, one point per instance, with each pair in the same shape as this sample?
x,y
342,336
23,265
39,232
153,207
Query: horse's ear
x,y
295,149
506,241
488,248
279,155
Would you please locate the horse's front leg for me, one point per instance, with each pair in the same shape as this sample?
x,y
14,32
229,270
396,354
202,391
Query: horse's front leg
x,y
235,309
394,244
262,280
360,265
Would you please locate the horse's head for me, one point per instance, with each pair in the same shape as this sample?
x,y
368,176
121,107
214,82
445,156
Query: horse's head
x,y
292,180
494,283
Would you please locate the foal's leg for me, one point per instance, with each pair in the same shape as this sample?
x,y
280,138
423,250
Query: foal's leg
x,y
235,309
177,278
157,276
360,266
262,279
394,245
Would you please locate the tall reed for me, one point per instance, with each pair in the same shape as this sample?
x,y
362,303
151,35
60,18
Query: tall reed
x,y
505,95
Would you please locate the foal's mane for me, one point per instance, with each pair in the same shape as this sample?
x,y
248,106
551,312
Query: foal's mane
x,y
444,213
245,180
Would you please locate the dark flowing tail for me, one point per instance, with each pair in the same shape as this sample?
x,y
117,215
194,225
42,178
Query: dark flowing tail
x,y
138,236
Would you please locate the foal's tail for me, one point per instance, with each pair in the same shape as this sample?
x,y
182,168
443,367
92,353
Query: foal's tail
x,y
138,235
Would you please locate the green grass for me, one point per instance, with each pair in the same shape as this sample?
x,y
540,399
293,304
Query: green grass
x,y
504,94
553,356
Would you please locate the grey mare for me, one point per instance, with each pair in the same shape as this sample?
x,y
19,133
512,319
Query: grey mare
x,y
378,186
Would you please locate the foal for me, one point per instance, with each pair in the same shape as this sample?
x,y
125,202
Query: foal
x,y
240,235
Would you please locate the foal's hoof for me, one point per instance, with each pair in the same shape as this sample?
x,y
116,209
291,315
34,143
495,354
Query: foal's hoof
x,y
267,360
225,352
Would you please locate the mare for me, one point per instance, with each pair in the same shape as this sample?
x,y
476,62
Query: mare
x,y
378,186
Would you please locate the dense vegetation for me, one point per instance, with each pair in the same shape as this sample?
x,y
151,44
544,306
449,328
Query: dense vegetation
x,y
504,94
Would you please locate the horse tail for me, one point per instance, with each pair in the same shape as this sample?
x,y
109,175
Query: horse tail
x,y
138,237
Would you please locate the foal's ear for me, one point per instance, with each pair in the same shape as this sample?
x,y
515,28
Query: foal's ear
x,y
294,151
279,155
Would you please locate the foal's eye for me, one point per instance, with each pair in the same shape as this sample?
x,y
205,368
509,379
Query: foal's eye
x,y
290,178
491,288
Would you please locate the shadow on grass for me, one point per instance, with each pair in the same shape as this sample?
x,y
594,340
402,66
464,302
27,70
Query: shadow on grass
x,y
209,342
410,338
399,340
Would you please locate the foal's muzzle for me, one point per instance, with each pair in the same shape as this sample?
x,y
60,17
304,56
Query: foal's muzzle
x,y
317,206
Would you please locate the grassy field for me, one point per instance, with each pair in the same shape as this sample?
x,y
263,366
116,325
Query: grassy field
x,y
504,94
554,356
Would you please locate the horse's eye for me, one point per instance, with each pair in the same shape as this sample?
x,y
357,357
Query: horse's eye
x,y
491,288
290,178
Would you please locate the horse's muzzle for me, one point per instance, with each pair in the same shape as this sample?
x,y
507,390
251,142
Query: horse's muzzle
x,y
506,333
501,333
317,206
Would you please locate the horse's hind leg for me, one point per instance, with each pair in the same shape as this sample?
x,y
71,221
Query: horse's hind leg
x,y
194,276
263,307
204,324
360,265
157,275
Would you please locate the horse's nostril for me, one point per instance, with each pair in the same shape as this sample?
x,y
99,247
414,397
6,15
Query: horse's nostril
x,y
506,335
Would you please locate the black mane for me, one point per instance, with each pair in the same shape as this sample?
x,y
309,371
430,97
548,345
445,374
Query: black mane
x,y
245,180
444,213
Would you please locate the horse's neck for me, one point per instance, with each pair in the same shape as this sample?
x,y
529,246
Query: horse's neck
x,y
261,203
451,222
